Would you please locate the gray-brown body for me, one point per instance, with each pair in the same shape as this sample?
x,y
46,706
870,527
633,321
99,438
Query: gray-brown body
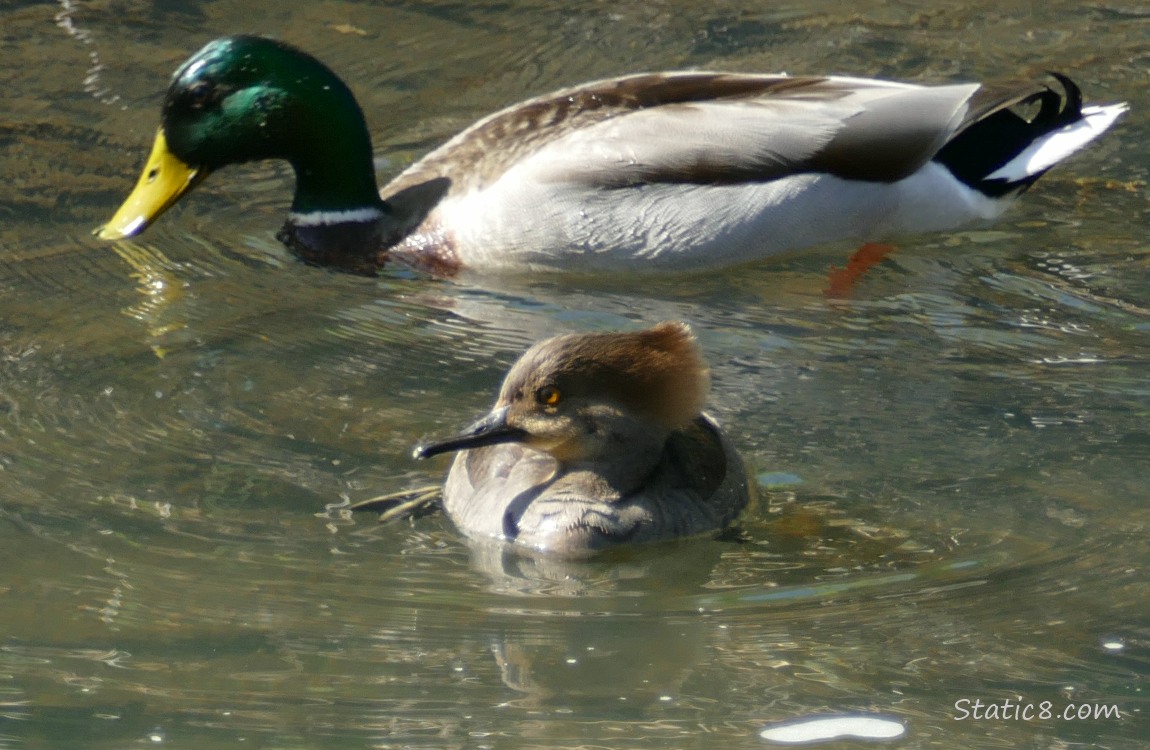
x,y
523,496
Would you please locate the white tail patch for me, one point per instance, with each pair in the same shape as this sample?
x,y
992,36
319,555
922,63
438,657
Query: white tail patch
x,y
1056,145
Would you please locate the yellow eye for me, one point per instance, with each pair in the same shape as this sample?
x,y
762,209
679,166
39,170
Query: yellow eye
x,y
548,395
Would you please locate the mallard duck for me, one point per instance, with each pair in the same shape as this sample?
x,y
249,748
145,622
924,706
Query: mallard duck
x,y
679,170
596,440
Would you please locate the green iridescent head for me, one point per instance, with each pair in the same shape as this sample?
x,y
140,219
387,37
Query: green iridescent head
x,y
246,98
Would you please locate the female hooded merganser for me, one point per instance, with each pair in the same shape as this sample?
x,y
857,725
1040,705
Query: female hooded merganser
x,y
680,170
596,440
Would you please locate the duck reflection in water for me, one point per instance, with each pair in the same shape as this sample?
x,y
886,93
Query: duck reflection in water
x,y
597,440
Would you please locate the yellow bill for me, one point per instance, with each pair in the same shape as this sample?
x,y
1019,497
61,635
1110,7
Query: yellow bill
x,y
164,180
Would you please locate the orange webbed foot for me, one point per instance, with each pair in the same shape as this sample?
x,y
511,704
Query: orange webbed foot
x,y
840,281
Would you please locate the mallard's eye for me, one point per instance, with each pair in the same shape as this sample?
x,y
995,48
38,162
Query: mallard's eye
x,y
200,94
548,395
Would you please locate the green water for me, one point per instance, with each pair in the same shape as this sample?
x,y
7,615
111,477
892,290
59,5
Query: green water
x,y
957,455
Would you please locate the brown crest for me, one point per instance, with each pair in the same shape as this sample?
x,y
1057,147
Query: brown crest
x,y
658,373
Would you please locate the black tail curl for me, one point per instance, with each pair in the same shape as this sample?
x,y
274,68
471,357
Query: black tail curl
x,y
997,132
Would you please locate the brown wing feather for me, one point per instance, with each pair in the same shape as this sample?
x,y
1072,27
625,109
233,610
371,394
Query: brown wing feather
x,y
491,146
857,129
